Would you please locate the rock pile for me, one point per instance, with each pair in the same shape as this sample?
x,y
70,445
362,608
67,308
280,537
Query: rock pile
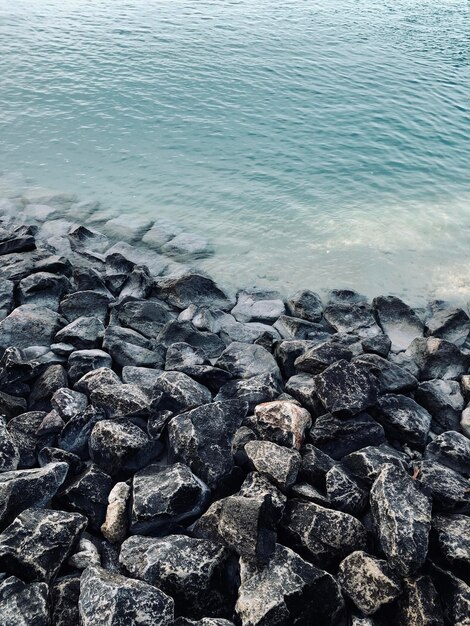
x,y
169,455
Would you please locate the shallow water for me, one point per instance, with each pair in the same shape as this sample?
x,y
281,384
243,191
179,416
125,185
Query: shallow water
x,y
316,144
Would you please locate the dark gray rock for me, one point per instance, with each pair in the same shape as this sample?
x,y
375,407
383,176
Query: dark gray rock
x,y
81,303
43,289
346,389
28,325
128,347
296,328
198,574
6,297
368,462
52,379
315,464
155,263
205,621
256,305
109,599
448,489
56,455
380,345
286,353
11,406
453,538
119,446
147,317
164,495
398,321
23,432
352,318
52,424
437,358
88,494
403,419
76,432
246,360
258,487
16,368
68,403
144,377
202,439
368,581
176,332
82,239
302,388
391,377
402,513
281,422
279,463
97,378
65,592
326,536
192,288
36,544
18,265
454,596
262,388
451,449
180,392
83,333
321,356
122,400
345,296
24,489
338,437
444,401
18,239
9,455
138,284
180,356
418,603
211,377
305,491
305,304
81,362
449,323
117,271
22,604
344,492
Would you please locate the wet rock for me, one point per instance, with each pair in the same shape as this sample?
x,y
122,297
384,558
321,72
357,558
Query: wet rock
x,y
321,356
296,328
23,604
448,489
102,376
368,462
443,399
65,592
23,489
81,362
88,494
451,449
81,303
288,592
68,403
449,323
326,536
346,389
352,318
119,446
180,392
437,358
402,513
155,263
453,537
202,439
114,528
192,288
255,390
368,581
186,246
43,289
18,239
76,433
454,596
138,284
147,317
338,437
198,574
282,422
258,306
121,400
419,603
403,419
391,377
306,304
129,230
165,494
9,455
176,332
108,599
52,379
83,333
246,360
398,321
28,325
86,555
279,463
344,492
36,544
23,432
128,347
82,239
380,345
162,231
315,464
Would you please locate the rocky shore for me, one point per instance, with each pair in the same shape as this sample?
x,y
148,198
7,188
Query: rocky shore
x,y
173,455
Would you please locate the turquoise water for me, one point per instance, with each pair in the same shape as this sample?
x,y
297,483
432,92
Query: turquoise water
x,y
316,144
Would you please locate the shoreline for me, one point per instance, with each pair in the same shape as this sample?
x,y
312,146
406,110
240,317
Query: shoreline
x,y
254,459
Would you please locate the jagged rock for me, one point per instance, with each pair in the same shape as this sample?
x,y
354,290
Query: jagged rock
x,y
9,455
180,392
305,491
22,604
162,231
315,464
258,487
418,603
86,555
246,360
437,358
202,439
128,347
177,332
198,574
97,378
182,355
29,325
465,422
43,289
338,437
11,406
114,528
18,239
81,303
346,389
368,462
344,491
81,362
255,390
155,263
287,592
192,288
187,246
16,368
380,345
453,537
296,328
147,317
88,494
391,377
17,265
52,424
321,356
65,592
326,536
83,333
302,387
402,513
352,318
445,322
68,403
448,489
108,599
82,238
121,400
165,494
465,386
119,446
56,455
242,436
443,399
23,489
138,283
76,432
117,271
451,449
286,353
403,419
52,379
454,596
205,621
129,230
282,422
368,581
279,463
257,306
6,297
306,304
398,321
345,296
36,544
22,430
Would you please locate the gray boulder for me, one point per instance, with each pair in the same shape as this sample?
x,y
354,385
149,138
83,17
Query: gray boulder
x,y
451,449
81,303
453,538
305,304
255,390
437,358
244,360
81,362
419,603
368,462
83,333
279,463
122,400
448,489
180,392
128,347
9,455
192,288
352,318
338,437
29,325
444,400
88,495
321,356
449,323
147,317
257,306
23,604
403,419
97,378
398,321
391,377
282,422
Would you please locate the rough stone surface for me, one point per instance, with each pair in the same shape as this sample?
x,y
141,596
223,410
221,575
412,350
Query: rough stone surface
x,y
277,462
437,358
444,401
306,304
338,437
451,449
398,321
23,604
403,419
282,422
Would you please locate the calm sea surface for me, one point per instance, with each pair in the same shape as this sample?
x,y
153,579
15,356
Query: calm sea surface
x,y
316,143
